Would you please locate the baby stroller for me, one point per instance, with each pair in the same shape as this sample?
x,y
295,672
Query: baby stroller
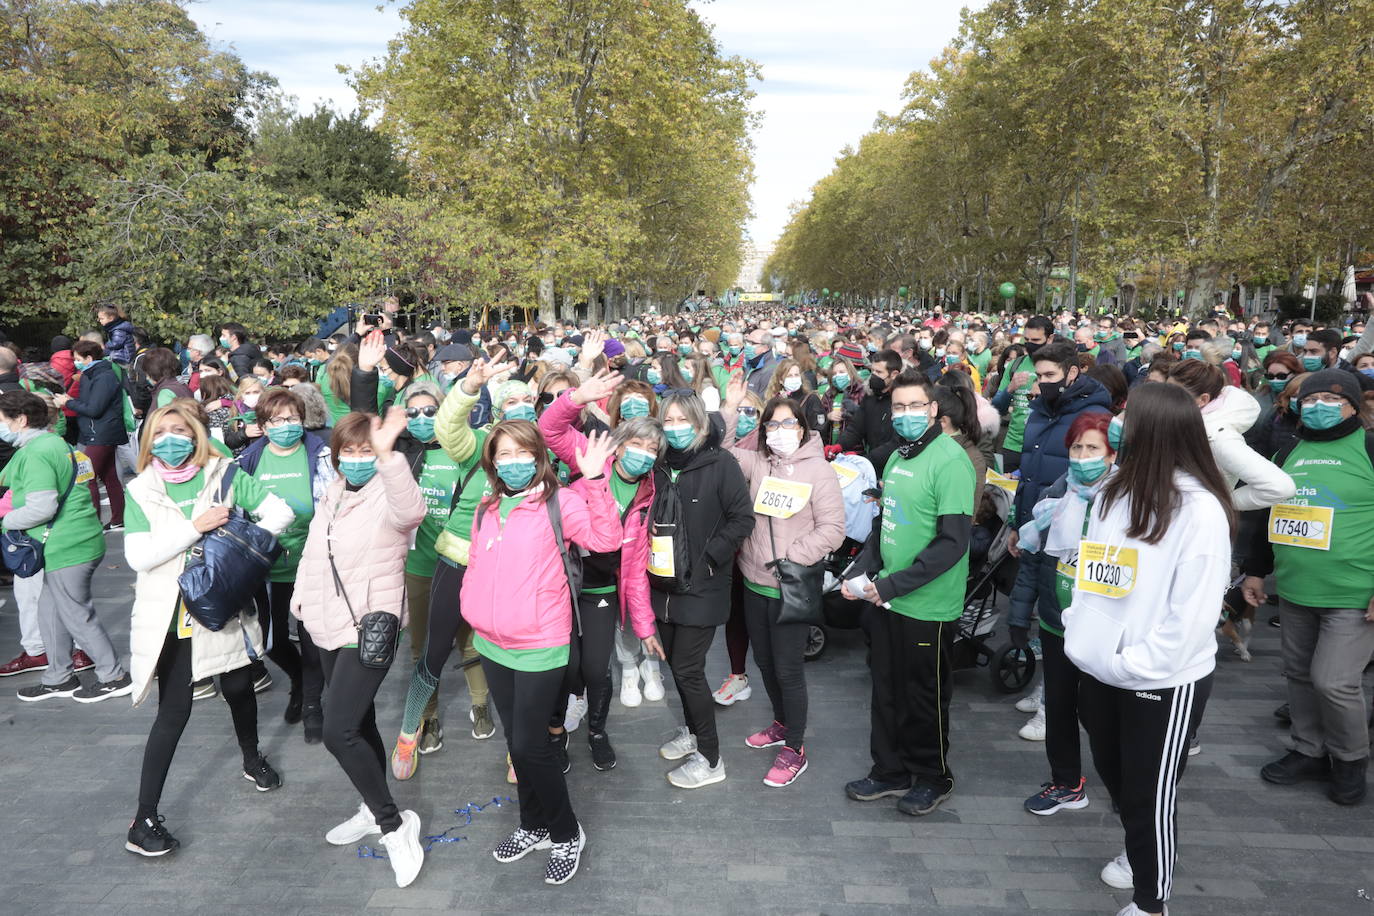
x,y
857,481
992,571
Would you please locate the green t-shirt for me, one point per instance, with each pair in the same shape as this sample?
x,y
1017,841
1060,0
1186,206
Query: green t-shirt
x,y
1336,475
522,659
247,493
766,591
45,463
981,361
622,491
165,397
338,409
1020,403
916,491
459,524
439,477
288,476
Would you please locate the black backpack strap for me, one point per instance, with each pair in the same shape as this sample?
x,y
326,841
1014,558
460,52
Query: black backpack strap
x,y
556,520
458,490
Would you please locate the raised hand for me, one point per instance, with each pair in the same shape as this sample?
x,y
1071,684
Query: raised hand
x,y
483,372
595,388
593,345
735,390
591,460
371,350
385,432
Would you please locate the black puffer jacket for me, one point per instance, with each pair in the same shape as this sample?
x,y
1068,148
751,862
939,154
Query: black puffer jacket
x,y
718,515
870,426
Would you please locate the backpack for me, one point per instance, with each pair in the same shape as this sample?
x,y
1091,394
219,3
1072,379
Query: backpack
x,y
572,560
670,563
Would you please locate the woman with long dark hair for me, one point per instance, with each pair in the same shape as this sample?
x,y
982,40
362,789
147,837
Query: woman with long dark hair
x,y
1152,569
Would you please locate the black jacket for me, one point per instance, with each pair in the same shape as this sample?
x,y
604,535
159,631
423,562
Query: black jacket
x,y
362,397
100,408
8,382
870,427
242,357
718,516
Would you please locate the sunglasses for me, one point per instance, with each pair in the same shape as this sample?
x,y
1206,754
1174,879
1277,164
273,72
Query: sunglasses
x,y
546,398
413,412
748,411
1274,378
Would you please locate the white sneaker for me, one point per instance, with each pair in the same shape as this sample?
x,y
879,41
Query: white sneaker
x,y
653,681
1131,909
1034,730
1118,874
404,850
354,829
679,746
577,708
735,689
630,696
1033,700
564,859
696,772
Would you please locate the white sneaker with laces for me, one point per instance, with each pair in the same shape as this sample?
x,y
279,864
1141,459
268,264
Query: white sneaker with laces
x,y
564,859
1034,730
403,849
630,697
1131,909
354,829
696,772
734,690
653,681
679,746
1118,874
577,709
1033,700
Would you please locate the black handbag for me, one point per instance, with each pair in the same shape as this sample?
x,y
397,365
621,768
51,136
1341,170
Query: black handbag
x,y
227,566
800,587
378,632
23,555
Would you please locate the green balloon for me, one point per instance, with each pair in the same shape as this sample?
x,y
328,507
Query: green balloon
x,y
825,292
1008,290
901,291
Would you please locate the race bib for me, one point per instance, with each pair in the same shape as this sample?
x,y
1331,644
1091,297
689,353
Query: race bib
x,y
85,471
1106,571
781,498
661,556
1301,526
183,621
1065,572
847,475
1001,480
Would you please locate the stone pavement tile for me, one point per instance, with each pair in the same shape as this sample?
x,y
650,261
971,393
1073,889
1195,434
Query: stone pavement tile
x,y
971,896
1350,843
876,893
1229,888
1284,840
1060,901
410,897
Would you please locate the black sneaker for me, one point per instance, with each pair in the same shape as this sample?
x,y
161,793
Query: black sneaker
x,y
114,526
1293,768
104,690
564,859
1348,781
204,689
37,692
1283,715
261,679
147,837
312,718
260,772
559,743
293,707
923,799
870,789
521,843
603,755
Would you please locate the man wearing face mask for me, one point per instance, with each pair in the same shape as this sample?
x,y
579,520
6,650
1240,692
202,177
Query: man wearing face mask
x,y
759,359
1014,391
870,429
917,560
1321,350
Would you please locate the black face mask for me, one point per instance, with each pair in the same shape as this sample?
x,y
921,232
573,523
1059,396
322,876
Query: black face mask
x,y
877,385
1050,392
1033,348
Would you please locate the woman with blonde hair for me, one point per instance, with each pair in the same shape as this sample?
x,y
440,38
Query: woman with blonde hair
x,y
184,490
243,429
337,379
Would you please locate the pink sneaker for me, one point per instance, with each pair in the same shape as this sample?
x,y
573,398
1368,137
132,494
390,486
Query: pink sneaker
x,y
771,736
787,766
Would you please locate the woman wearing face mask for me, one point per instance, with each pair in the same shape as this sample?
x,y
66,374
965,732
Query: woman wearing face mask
x,y
382,373
954,355
1279,368
696,374
791,458
1057,525
789,380
99,411
735,688
701,515
615,587
294,465
353,565
243,428
516,597
844,391
175,500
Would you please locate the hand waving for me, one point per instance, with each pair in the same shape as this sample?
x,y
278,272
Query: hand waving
x,y
597,387
735,391
371,350
385,432
591,461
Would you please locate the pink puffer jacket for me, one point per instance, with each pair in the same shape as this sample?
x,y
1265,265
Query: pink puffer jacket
x,y
372,529
566,440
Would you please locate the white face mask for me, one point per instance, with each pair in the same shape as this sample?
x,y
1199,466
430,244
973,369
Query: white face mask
x,y
251,400
791,383
783,441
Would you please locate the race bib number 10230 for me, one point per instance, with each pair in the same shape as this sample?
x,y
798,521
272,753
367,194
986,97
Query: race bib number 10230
x,y
1103,570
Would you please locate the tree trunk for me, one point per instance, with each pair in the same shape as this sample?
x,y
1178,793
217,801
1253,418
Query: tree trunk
x,y
547,315
1202,286
594,318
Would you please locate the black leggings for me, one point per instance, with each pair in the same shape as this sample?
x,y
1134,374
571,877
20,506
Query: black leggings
x,y
589,660
350,730
686,648
779,652
174,710
273,602
1062,744
736,629
524,701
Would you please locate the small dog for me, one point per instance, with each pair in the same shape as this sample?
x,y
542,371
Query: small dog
x,y
1237,621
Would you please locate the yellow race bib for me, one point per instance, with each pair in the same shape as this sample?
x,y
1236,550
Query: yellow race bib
x,y
183,621
1106,571
781,498
1301,526
661,556
847,475
85,471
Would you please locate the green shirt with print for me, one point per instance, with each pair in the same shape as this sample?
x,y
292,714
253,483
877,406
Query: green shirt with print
x,y
981,361
288,476
247,493
45,463
439,477
478,488
916,492
1020,403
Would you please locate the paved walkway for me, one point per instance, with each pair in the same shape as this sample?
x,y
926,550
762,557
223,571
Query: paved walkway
x,y
68,783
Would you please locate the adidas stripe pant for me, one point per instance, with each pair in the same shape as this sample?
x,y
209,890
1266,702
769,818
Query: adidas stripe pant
x,y
1139,741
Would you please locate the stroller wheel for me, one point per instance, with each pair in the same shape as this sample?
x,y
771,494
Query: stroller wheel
x,y
815,644
1012,669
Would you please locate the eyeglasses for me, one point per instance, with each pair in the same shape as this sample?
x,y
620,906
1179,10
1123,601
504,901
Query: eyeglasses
x,y
1276,377
909,408
413,412
748,411
283,420
1323,398
774,425
546,398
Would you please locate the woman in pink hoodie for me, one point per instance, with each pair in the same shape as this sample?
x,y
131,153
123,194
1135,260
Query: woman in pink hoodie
x,y
799,516
517,598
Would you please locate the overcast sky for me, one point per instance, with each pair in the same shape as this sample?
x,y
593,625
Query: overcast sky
x,y
828,67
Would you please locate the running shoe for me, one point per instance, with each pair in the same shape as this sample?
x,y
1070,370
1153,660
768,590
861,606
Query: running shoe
x,y
81,661
404,759
482,725
1033,700
23,663
204,689
697,772
787,766
260,772
679,746
431,736
360,825
404,850
1131,909
922,800
564,859
1052,797
603,755
520,844
735,689
870,789
772,736
559,743
1118,873
104,690
510,772
653,681
630,697
262,679
147,837
577,710
39,692
1034,729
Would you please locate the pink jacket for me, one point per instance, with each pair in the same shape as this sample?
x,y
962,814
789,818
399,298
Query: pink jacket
x,y
372,529
814,531
515,592
566,441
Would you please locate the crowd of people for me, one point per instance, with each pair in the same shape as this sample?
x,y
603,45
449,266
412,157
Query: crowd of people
x,y
570,509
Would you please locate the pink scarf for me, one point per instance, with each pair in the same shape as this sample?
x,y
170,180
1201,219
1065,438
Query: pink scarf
x,y
175,475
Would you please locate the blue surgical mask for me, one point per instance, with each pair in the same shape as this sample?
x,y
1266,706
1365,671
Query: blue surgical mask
x,y
840,380
517,474
636,462
1299,340
911,426
654,377
1313,363
521,411
1321,415
633,407
6,434
1116,431
687,374
358,471
1087,470
745,425
1192,354
173,449
750,351
1368,370
1178,346
1277,384
680,437
285,436
421,428
1293,404
1235,356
